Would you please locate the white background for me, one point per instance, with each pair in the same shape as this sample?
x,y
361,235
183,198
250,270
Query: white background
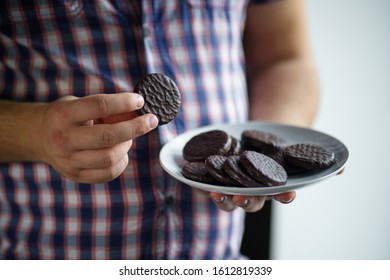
x,y
193,269
347,216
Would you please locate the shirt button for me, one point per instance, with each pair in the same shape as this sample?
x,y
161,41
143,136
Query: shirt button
x,y
72,5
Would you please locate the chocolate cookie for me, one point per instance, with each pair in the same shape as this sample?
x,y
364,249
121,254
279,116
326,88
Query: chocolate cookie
x,y
213,142
262,141
263,168
235,147
277,156
161,95
235,170
197,171
214,165
291,170
308,156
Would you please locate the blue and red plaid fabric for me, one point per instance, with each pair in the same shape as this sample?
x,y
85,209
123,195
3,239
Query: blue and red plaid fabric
x,y
50,49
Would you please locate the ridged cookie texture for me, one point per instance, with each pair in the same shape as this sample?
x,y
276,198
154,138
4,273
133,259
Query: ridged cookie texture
x,y
197,171
213,142
161,95
263,168
214,165
233,167
263,142
308,156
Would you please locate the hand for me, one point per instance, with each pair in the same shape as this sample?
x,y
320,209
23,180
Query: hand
x,y
87,139
248,203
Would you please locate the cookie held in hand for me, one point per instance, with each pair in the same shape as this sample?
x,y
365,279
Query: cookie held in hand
x,y
161,95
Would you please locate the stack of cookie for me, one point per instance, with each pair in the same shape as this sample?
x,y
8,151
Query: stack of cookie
x,y
258,159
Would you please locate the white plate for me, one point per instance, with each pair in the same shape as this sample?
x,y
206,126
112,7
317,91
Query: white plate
x,y
172,160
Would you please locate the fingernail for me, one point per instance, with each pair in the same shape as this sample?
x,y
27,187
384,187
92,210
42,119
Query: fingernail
x,y
153,121
221,199
285,201
244,203
140,101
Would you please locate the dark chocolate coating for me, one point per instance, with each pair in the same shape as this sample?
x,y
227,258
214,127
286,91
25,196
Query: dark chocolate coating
x,y
308,156
278,157
213,142
161,95
234,169
235,147
197,171
263,168
214,165
262,141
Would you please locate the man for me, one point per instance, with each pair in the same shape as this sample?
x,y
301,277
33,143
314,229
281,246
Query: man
x,y
79,175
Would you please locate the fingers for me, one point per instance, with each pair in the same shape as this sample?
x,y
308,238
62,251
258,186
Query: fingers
x,y
341,171
231,202
248,203
103,105
107,135
97,166
286,197
102,175
223,201
102,158
87,139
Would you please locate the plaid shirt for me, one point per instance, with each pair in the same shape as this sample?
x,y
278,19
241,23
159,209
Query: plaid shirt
x,y
50,49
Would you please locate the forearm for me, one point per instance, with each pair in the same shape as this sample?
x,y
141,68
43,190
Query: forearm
x,y
283,83
20,125
287,92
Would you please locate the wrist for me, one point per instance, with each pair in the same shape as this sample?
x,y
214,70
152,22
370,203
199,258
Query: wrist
x,y
22,131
